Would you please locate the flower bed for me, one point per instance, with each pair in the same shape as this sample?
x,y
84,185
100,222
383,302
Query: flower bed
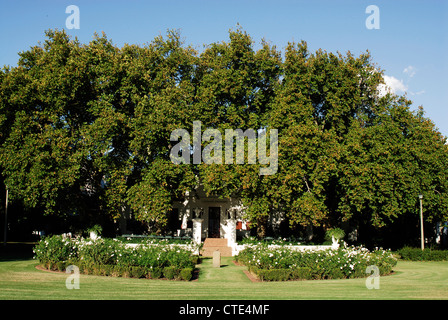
x,y
281,263
292,241
154,239
112,257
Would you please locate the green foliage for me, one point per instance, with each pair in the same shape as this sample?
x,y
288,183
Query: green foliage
x,y
170,272
336,233
274,274
300,273
111,257
417,254
142,239
271,241
85,128
99,251
137,272
156,273
321,264
54,249
186,274
97,229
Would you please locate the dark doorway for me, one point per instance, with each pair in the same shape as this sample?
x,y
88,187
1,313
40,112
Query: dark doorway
x,y
214,217
173,221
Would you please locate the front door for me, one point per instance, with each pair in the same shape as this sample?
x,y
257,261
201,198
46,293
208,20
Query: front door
x,y
214,216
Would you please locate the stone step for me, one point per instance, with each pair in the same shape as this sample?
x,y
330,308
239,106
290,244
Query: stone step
x,y
208,252
213,244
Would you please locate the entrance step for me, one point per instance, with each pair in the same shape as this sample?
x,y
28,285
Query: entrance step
x,y
213,244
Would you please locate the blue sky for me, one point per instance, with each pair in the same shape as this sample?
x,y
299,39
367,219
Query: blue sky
x,y
411,44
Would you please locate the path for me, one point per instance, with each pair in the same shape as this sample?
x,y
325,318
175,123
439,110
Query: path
x,y
228,272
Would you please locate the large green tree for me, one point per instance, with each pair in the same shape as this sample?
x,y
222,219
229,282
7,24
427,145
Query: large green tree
x,y
347,152
86,128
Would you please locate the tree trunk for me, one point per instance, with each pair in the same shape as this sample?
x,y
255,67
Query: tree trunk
x,y
262,227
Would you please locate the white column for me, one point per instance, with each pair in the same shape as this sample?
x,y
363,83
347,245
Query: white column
x,y
197,230
231,233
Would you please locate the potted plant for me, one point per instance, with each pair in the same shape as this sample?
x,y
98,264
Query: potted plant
x,y
95,231
335,234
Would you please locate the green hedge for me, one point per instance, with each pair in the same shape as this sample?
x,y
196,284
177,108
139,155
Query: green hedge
x,y
283,274
280,263
274,274
110,257
417,254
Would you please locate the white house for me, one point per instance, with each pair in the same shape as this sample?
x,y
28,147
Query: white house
x,y
202,216
211,218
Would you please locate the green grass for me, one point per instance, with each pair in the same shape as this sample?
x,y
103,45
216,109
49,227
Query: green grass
x,y
19,279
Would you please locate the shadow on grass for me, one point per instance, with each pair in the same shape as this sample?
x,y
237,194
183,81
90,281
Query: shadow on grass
x,y
16,251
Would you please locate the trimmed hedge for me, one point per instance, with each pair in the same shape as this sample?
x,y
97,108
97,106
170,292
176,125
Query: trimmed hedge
x,y
170,272
282,263
417,254
284,274
274,274
186,274
110,257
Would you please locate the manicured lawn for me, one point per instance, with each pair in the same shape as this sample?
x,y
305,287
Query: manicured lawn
x,y
19,279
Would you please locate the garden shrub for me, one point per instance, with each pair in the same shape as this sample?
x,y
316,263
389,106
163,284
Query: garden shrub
x,y
106,270
336,233
97,269
186,274
117,271
195,260
274,274
137,272
82,267
253,269
110,257
60,265
417,254
53,266
302,273
323,264
51,250
100,251
156,273
170,272
125,271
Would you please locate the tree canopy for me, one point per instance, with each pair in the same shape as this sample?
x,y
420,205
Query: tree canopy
x,y
87,127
